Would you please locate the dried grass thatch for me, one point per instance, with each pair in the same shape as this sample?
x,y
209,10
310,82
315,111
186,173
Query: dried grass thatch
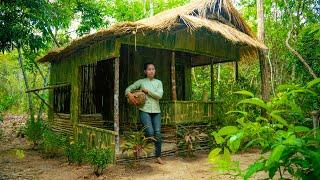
x,y
217,16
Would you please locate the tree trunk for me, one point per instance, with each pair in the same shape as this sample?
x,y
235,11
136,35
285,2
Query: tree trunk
x,y
26,82
293,51
264,68
151,8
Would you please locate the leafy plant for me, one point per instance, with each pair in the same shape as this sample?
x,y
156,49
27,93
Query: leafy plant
x,y
291,144
137,143
34,130
99,159
297,155
75,151
53,143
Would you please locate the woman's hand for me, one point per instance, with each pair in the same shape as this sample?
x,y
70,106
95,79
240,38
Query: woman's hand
x,y
145,90
132,98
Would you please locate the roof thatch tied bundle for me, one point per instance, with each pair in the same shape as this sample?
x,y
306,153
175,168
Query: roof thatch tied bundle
x,y
217,16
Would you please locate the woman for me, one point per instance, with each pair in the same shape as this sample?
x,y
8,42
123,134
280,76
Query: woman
x,y
149,112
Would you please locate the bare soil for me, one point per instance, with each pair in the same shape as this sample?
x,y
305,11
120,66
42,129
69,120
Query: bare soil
x,y
34,165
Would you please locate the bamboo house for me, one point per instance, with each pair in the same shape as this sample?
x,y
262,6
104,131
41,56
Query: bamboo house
x,y
88,77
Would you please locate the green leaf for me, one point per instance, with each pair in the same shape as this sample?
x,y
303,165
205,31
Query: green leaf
x,y
240,112
228,130
226,154
244,92
292,140
253,168
278,118
234,142
255,101
218,138
214,153
299,129
313,82
275,155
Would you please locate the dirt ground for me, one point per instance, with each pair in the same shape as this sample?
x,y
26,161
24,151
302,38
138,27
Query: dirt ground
x,y
35,166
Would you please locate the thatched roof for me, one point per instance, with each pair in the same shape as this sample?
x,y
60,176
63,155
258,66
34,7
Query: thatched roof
x,y
217,16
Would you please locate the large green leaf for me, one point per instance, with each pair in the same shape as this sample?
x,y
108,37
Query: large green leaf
x,y
274,115
275,155
299,129
213,154
226,154
244,92
218,138
253,168
293,141
255,101
234,141
228,130
313,82
240,112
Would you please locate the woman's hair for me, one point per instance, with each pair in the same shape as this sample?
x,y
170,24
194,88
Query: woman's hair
x,y
145,66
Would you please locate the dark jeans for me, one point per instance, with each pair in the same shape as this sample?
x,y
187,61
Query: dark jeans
x,y
153,123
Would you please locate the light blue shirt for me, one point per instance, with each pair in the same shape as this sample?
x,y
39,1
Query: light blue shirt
x,y
155,92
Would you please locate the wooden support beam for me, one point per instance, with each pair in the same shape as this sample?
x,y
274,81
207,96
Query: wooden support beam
x,y
116,104
212,80
48,87
236,71
173,76
44,101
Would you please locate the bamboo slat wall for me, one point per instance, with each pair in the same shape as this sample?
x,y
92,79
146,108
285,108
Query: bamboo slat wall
x,y
96,137
95,120
62,123
179,112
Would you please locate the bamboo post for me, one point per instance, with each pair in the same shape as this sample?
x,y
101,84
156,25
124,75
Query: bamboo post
x,y
116,105
212,80
315,117
173,76
236,71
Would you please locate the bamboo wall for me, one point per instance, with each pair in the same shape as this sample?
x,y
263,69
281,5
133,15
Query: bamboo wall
x,y
66,70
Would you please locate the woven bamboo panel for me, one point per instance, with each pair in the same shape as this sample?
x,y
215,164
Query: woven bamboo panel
x,y
95,120
62,123
96,137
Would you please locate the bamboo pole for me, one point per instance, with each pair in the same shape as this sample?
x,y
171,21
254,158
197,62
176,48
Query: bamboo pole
x,y
47,87
212,80
236,71
116,104
173,76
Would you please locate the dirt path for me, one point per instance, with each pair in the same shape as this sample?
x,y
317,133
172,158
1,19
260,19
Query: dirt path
x,y
35,166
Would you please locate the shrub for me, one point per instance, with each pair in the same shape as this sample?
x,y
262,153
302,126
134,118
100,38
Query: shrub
x,y
75,151
53,143
99,159
34,130
294,148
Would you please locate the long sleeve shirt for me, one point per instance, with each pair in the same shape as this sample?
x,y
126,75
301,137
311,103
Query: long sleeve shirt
x,y
155,92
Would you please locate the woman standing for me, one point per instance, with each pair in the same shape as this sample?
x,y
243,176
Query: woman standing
x,y
149,112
